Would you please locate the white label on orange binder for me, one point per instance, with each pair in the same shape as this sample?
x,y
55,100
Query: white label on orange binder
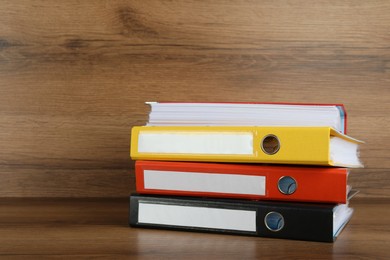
x,y
204,182
188,216
195,143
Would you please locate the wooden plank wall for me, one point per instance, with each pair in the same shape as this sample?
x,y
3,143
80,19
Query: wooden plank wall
x,y
74,76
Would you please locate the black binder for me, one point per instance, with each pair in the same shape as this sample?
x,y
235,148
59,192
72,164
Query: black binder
x,y
302,221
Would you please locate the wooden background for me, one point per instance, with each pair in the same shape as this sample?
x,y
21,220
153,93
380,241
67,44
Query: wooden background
x,y
74,76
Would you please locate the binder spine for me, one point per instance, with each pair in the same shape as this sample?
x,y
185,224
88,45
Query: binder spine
x,y
282,145
298,221
307,184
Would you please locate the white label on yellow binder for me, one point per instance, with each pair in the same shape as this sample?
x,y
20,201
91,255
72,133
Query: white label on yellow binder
x,y
196,143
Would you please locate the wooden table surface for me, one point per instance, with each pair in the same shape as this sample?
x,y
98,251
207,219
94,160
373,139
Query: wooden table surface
x,y
39,228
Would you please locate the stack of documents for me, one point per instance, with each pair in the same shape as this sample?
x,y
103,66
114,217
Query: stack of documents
x,y
261,169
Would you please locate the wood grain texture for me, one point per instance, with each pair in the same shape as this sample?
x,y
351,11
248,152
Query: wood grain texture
x,y
74,76
97,228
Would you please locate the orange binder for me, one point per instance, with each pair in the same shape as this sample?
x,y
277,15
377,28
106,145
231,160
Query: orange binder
x,y
245,181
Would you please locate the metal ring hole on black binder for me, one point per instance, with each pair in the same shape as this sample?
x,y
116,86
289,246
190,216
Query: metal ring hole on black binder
x,y
270,144
287,185
274,221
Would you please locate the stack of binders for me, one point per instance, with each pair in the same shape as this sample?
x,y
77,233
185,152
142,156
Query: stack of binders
x,y
261,169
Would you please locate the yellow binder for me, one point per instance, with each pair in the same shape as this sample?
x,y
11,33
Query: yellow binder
x,y
286,145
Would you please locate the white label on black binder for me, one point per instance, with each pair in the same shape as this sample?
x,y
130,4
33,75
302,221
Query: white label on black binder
x,y
202,217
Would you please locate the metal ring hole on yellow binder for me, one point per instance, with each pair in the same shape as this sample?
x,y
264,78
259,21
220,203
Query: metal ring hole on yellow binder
x,y
274,221
287,185
270,144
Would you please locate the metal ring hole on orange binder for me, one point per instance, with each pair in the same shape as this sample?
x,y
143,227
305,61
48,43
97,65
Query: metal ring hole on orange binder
x,y
270,144
287,185
274,221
